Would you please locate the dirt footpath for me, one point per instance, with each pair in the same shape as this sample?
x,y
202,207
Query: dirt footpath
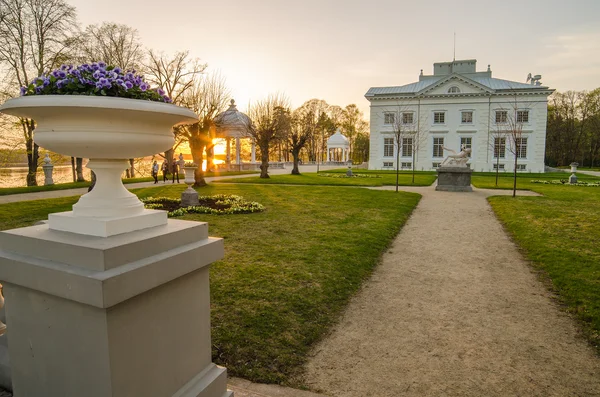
x,y
454,310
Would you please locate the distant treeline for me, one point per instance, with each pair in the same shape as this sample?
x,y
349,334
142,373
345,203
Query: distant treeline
x,y
18,158
573,131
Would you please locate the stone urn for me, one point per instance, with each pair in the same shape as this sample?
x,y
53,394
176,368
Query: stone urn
x,y
189,197
108,131
573,177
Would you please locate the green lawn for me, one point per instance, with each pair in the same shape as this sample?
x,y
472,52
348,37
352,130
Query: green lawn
x,y
487,180
288,272
568,167
560,234
375,178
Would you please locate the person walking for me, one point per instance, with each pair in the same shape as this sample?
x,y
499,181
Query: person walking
x,y
155,172
175,171
164,170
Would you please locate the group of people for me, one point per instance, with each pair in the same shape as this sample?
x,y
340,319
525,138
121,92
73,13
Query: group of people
x,y
165,170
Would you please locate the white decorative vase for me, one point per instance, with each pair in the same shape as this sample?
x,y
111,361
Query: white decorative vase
x,y
190,179
189,197
108,131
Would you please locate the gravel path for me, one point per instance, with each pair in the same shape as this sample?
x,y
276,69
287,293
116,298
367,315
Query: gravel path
x,y
454,310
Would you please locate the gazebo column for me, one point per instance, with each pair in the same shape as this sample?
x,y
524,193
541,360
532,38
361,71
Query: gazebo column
x,y
328,154
238,148
253,158
228,152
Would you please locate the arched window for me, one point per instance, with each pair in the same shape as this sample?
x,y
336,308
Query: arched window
x,y
453,90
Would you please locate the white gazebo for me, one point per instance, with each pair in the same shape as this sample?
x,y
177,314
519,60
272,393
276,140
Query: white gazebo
x,y
234,124
338,147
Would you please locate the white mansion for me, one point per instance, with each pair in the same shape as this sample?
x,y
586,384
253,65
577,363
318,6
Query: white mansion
x,y
458,106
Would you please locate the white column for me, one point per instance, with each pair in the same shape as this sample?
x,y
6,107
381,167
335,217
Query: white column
x,y
238,148
328,156
228,152
253,159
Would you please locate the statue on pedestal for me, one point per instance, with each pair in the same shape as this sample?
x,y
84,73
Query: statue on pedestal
x,y
457,159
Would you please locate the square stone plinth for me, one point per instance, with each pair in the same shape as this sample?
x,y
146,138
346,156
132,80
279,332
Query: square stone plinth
x,y
127,315
106,227
454,179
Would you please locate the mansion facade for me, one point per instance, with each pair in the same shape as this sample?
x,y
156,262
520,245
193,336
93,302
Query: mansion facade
x,y
458,106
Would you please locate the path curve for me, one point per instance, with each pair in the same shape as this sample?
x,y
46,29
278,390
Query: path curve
x,y
454,310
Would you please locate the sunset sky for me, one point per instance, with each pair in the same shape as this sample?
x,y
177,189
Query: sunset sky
x,y
335,50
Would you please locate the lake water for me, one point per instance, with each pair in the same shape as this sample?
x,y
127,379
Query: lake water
x,y
17,176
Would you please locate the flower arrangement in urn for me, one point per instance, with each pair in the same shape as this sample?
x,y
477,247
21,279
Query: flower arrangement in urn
x,y
96,78
107,115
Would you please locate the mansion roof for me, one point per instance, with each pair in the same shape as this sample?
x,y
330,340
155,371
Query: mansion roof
x,y
483,82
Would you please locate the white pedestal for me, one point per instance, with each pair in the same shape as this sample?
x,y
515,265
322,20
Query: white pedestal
x,y
120,316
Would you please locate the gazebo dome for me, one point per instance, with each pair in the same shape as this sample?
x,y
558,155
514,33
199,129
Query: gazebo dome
x,y
232,123
337,140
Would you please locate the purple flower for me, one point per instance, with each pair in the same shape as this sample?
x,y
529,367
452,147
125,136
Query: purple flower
x,y
103,83
90,79
98,74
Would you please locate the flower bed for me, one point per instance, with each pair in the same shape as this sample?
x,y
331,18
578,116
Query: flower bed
x,y
566,182
340,175
220,204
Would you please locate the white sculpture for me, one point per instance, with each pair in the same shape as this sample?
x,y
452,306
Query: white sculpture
x,y
457,159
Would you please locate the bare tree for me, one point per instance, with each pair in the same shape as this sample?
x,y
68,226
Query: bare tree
x,y
207,98
175,75
402,127
35,37
353,124
115,44
594,125
498,147
408,134
509,132
318,108
302,128
270,121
